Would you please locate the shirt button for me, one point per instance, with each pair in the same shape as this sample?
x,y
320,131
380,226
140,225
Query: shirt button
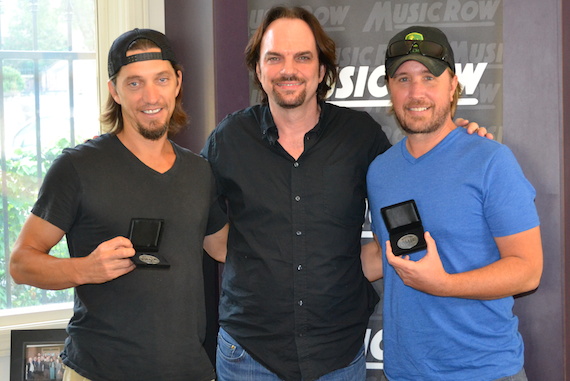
x,y
297,198
296,164
300,267
298,232
300,302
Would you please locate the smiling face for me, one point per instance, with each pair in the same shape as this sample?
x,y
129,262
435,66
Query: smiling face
x,y
147,91
288,67
421,101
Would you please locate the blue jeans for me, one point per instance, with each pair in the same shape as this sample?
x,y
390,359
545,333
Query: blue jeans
x,y
233,363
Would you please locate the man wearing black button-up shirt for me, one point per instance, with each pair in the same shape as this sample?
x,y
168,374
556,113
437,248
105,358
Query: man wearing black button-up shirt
x,y
293,170
295,302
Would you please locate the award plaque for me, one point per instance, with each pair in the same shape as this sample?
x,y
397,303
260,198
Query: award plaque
x,y
145,235
405,227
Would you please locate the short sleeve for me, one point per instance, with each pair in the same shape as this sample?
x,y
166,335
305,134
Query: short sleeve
x,y
58,198
510,199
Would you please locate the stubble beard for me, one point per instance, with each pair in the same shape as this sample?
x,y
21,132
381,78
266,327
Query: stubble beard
x,y
280,99
413,125
153,133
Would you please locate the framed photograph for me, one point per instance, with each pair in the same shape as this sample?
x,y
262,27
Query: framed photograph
x,y
35,354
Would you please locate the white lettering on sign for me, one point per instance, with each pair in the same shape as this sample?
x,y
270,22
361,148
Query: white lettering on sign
x,y
385,15
353,83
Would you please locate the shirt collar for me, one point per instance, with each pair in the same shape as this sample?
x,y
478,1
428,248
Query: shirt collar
x,y
269,129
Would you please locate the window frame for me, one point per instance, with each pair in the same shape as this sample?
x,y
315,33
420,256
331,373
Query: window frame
x,y
113,17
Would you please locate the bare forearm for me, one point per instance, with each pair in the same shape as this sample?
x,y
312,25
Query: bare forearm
x,y
506,277
371,257
519,269
216,245
43,270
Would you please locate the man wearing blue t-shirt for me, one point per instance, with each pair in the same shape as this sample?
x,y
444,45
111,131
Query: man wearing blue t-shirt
x,y
448,307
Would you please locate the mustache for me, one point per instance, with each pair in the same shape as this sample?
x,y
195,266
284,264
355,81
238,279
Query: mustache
x,y
417,103
292,78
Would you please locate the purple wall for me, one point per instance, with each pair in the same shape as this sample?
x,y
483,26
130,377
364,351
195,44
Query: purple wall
x,y
533,129
230,36
566,165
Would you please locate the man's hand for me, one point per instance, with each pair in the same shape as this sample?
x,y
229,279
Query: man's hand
x,y
473,127
427,274
110,260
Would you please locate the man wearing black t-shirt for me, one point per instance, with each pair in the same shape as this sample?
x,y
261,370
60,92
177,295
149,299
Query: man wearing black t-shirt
x,y
130,323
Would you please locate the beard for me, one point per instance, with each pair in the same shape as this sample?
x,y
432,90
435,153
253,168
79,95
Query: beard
x,y
153,133
418,125
288,103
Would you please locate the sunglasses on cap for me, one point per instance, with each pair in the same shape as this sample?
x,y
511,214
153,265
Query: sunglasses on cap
x,y
425,48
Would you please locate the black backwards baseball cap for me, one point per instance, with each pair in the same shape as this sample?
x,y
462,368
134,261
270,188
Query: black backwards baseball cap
x,y
118,51
425,44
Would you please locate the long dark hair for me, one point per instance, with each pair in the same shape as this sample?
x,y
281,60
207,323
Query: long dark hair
x,y
326,47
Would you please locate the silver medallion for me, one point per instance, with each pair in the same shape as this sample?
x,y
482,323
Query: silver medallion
x,y
408,241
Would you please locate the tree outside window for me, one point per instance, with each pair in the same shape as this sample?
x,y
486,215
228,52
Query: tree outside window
x,y
49,102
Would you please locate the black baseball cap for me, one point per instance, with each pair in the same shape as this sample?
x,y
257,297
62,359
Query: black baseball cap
x,y
118,51
425,44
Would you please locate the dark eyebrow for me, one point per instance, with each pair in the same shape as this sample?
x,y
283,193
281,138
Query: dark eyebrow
x,y
138,77
165,73
272,53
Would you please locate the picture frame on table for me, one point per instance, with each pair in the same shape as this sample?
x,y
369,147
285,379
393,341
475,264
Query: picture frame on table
x,y
34,354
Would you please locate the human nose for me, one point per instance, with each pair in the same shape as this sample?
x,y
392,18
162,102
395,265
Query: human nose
x,y
151,93
416,89
289,66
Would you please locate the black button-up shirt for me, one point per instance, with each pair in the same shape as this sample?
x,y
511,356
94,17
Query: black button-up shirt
x,y
293,292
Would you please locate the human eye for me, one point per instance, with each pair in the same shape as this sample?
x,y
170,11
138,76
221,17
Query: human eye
x,y
272,59
304,57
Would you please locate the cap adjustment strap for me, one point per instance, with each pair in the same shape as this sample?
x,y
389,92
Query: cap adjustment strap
x,y
143,57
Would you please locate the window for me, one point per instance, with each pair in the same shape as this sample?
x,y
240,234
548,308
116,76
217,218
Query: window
x,y
48,102
51,54
112,18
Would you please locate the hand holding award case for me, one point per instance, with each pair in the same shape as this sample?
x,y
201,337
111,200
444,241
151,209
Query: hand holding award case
x,y
404,227
145,236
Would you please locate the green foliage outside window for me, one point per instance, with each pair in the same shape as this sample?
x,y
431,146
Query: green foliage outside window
x,y
36,100
12,80
22,185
